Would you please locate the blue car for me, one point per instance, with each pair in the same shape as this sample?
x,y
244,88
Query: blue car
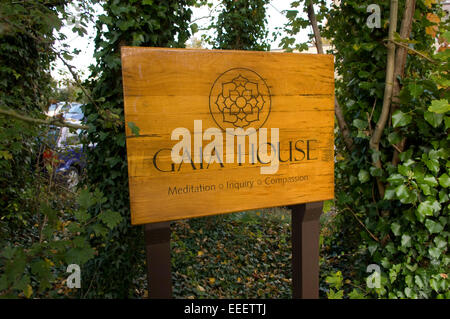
x,y
67,153
71,156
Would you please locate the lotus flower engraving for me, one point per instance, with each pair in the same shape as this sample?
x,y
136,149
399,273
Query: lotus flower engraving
x,y
240,98
240,102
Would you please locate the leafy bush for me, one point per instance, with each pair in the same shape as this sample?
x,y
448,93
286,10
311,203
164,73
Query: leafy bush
x,y
241,25
44,227
392,178
135,23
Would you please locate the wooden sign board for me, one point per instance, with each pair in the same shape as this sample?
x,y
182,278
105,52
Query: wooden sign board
x,y
201,100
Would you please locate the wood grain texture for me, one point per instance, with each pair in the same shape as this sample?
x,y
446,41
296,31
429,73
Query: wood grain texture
x,y
166,89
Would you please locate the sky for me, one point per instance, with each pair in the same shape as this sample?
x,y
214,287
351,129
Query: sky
x,y
81,62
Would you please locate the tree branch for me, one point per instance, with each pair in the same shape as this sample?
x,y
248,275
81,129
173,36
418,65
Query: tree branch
x,y
400,63
343,127
407,48
402,52
75,77
362,224
313,20
389,85
48,121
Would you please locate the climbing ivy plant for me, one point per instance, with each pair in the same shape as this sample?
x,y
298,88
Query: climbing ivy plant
x,y
241,25
43,226
120,262
392,169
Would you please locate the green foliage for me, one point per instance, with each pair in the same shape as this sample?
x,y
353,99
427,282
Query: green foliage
x,y
59,237
134,23
43,228
134,129
241,25
246,255
405,231
24,86
297,21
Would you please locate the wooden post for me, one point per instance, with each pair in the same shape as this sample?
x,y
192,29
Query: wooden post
x,y
159,274
305,250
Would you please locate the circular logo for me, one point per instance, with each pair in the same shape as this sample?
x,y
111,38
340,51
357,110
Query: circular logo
x,y
240,98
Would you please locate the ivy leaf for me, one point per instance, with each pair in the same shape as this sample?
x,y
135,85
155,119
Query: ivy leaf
x,y
400,119
335,280
17,266
405,156
434,119
194,28
360,124
408,292
434,284
327,205
434,252
419,282
389,193
439,106
134,129
394,138
444,180
392,275
41,269
125,25
79,255
395,227
404,170
110,218
99,230
433,227
8,252
375,171
425,209
67,56
372,248
430,180
6,155
22,283
335,295
431,163
356,294
396,179
85,199
82,215
364,74
363,176
105,19
406,241
415,90
426,189
443,196
440,242
402,192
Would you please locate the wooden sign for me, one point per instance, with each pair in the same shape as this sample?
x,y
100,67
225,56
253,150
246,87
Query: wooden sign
x,y
226,131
